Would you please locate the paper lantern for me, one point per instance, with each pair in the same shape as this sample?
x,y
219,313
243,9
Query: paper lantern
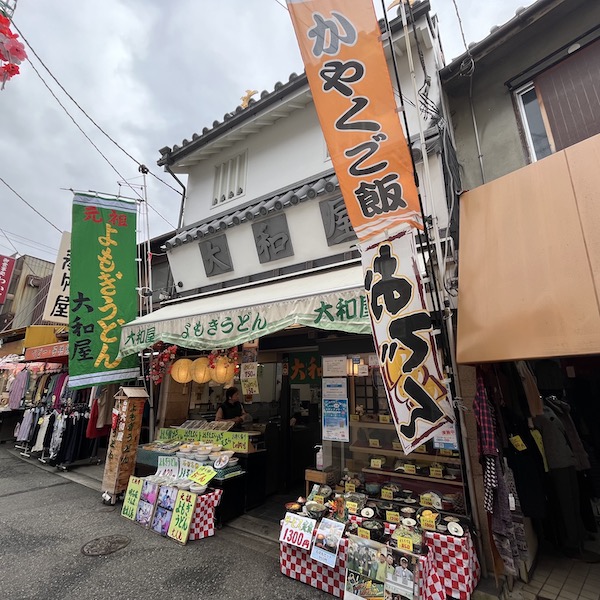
x,y
223,371
200,370
181,370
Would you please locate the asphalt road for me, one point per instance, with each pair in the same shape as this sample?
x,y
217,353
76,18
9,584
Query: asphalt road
x,y
45,520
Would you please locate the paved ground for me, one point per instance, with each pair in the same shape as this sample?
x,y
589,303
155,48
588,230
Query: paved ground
x,y
46,518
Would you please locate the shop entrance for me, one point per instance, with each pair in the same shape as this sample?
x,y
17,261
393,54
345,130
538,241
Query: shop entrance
x,y
539,444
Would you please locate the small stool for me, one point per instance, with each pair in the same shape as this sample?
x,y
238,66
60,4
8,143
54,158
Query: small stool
x,y
314,476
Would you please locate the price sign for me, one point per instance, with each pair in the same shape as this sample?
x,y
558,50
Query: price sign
x,y
319,499
397,445
132,497
350,487
421,449
404,543
355,417
428,521
374,443
364,533
518,443
384,419
445,452
183,512
375,463
410,469
435,472
392,516
203,475
352,507
168,466
387,494
297,530
426,500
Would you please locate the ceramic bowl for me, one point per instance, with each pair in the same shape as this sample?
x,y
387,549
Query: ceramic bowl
x,y
315,510
197,489
202,451
214,455
229,453
216,447
233,460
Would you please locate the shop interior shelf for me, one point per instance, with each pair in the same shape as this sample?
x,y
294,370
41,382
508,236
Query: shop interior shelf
x,y
455,482
447,460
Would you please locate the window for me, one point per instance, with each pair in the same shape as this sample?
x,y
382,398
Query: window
x,y
561,106
533,122
230,179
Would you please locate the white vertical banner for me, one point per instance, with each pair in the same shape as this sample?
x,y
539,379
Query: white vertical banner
x,y
411,365
56,309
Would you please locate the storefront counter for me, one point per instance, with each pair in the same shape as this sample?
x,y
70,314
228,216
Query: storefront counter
x,y
296,563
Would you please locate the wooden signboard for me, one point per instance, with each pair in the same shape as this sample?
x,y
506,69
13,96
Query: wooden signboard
x,y
183,512
124,439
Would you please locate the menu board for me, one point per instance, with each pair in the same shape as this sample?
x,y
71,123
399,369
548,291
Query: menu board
x,y
132,497
183,513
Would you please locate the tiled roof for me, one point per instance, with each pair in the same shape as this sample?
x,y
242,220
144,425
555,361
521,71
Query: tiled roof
x,y
307,191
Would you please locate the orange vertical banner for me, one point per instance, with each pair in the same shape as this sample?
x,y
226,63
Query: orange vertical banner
x,y
340,42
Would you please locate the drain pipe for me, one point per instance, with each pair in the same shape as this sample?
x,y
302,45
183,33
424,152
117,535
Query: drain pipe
x,y
183,195
475,128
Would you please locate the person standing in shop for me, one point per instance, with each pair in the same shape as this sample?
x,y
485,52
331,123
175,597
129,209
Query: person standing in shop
x,y
232,409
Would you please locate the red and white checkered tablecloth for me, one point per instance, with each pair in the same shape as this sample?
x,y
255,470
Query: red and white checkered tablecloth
x,y
296,563
203,521
455,561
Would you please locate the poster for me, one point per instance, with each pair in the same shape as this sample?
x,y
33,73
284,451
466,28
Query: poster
x,y
335,366
305,367
132,498
163,513
103,294
145,508
402,575
335,420
411,365
366,569
327,542
183,513
249,378
297,530
56,309
445,438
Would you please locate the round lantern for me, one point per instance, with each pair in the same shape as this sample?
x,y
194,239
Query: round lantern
x,y
200,370
181,370
223,371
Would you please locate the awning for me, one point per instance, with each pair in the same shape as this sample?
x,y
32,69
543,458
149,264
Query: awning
x,y
529,277
334,300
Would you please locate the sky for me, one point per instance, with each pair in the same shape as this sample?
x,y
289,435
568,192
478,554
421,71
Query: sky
x,y
150,73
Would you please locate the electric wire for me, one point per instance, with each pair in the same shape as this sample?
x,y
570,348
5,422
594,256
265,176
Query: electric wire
x,y
35,210
87,137
137,162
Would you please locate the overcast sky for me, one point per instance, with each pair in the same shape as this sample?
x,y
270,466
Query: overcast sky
x,y
150,73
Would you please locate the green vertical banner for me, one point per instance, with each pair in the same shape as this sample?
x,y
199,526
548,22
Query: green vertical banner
x,y
103,294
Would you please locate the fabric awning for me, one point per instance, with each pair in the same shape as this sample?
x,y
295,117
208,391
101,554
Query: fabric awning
x,y
334,300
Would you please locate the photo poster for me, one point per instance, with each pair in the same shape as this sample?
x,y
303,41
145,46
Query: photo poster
x,y
327,542
183,513
336,426
132,497
167,495
366,569
401,581
145,508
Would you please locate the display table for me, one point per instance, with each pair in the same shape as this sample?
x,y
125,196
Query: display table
x,y
455,560
203,521
296,563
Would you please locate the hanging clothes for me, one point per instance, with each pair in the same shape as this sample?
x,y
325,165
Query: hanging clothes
x,y
18,389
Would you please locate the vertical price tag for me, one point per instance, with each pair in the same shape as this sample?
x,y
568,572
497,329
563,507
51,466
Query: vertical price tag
x,y
376,463
410,469
364,533
392,516
404,543
350,487
374,443
352,507
435,472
